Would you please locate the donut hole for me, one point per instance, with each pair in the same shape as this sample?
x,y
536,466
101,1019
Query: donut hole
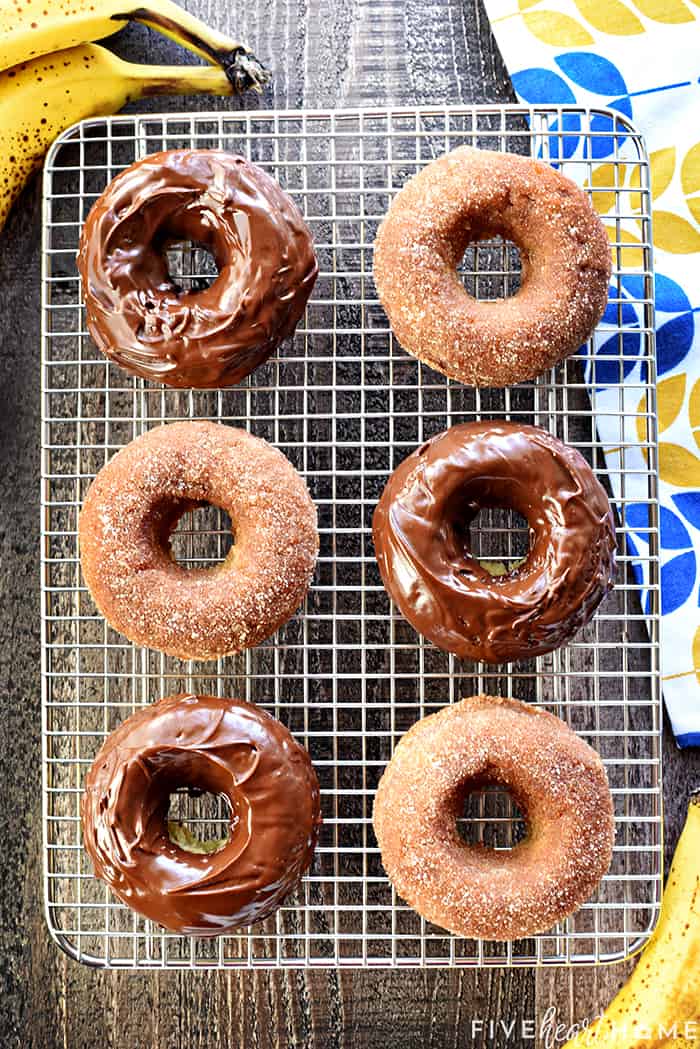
x,y
499,538
202,538
199,821
491,269
491,817
191,265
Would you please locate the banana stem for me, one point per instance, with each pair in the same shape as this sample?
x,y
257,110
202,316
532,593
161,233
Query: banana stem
x,y
179,80
244,71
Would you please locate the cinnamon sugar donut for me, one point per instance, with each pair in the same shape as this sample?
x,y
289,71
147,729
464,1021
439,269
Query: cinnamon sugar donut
x,y
470,195
134,504
557,781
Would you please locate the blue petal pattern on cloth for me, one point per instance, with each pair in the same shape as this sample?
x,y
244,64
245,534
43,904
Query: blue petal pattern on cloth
x,y
677,582
610,372
592,72
677,573
688,503
673,341
542,87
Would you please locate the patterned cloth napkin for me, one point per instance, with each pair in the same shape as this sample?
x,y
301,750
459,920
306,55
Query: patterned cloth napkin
x,y
642,59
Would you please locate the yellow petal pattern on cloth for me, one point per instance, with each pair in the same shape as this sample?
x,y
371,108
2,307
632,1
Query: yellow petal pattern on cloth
x,y
672,12
662,164
694,411
556,29
635,182
670,396
690,180
640,424
690,170
678,466
631,256
674,234
605,176
670,393
610,16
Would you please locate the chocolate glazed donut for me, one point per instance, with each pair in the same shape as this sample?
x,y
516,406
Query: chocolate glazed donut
x,y
267,267
225,746
422,541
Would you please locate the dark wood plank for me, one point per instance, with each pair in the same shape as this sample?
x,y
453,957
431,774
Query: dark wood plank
x,y
323,53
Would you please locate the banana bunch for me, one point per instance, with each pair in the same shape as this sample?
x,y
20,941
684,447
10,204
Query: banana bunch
x,y
660,1003
52,75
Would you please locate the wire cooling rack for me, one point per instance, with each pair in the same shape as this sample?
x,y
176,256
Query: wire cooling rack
x,y
346,404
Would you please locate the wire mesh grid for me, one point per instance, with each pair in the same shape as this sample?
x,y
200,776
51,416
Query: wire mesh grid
x,y
346,404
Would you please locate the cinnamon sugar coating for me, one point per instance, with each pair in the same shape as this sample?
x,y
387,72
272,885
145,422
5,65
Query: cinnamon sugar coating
x,y
469,195
556,779
132,507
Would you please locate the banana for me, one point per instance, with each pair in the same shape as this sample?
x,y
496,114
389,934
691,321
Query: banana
x,y
40,99
38,27
660,1003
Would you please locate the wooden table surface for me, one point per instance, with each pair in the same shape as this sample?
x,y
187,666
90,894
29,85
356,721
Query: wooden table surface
x,y
326,53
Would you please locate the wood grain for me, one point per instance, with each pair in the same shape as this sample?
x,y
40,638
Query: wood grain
x,y
323,53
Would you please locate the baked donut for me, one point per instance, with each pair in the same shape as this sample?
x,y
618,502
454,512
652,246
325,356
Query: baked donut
x,y
422,541
469,195
557,781
137,314
202,743
133,506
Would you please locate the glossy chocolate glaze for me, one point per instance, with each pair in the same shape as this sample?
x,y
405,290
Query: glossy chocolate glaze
x,y
263,249
225,746
421,538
